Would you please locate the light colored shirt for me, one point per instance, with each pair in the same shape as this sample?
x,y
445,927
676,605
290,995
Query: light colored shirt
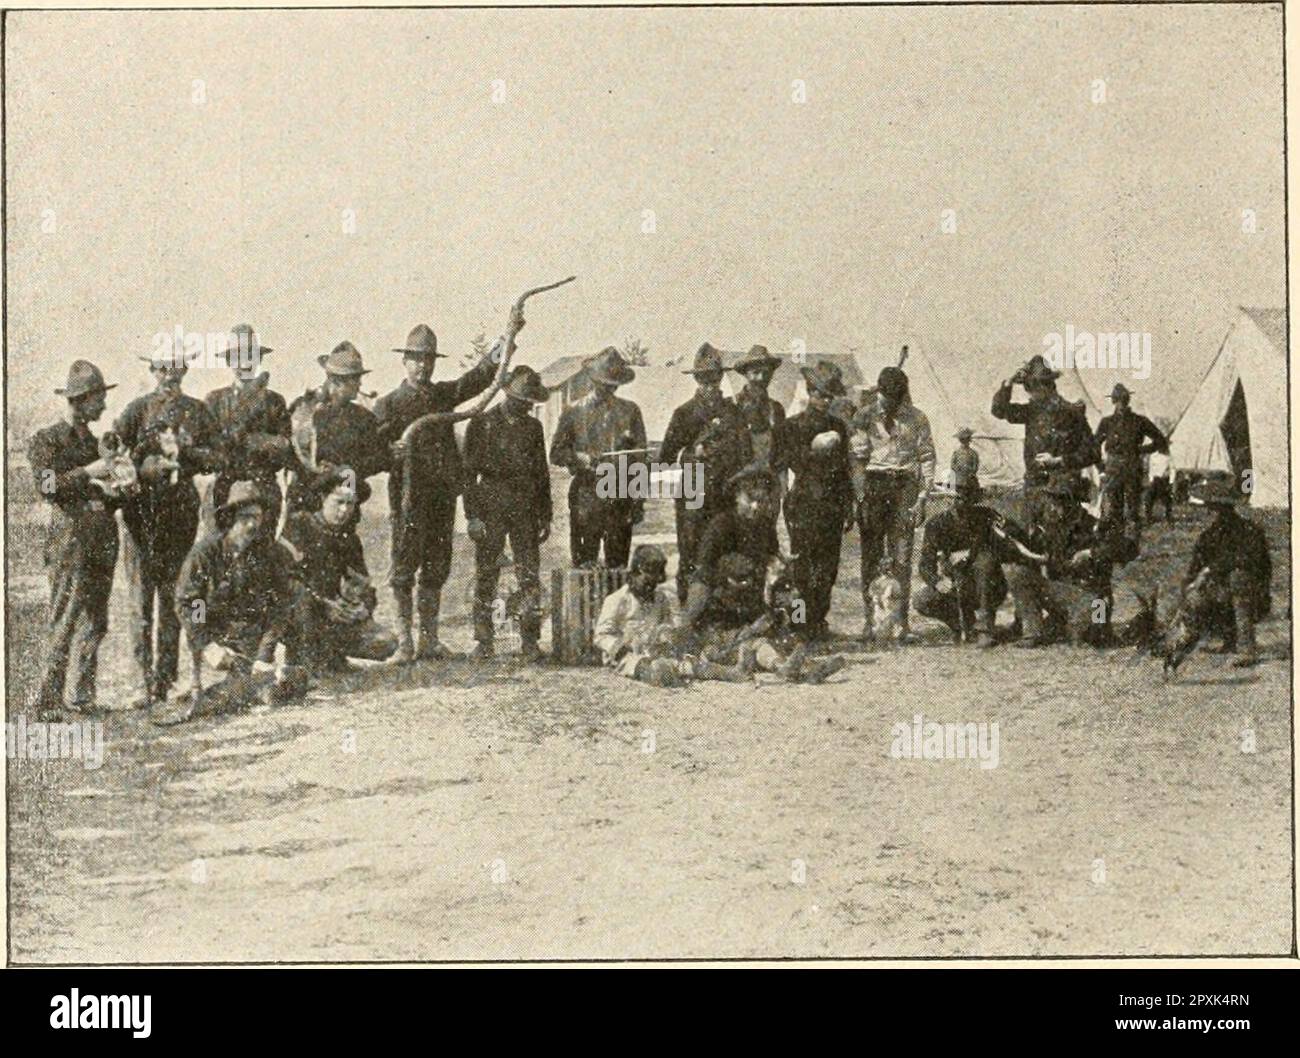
x,y
908,446
626,628
1158,466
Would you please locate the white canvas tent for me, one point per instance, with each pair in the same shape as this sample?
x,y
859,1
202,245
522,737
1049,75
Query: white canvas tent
x,y
1237,418
955,388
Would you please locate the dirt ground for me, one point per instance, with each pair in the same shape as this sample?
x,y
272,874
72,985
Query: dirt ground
x,y
449,812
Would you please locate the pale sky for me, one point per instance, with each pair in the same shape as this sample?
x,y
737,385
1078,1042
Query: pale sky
x,y
775,221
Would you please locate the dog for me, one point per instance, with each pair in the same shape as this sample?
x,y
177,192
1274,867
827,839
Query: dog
x,y
886,608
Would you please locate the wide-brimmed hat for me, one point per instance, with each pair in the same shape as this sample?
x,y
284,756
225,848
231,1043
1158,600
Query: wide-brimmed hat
x,y
523,383
420,342
168,354
242,494
242,341
84,378
1120,392
758,356
825,378
1036,369
964,434
343,359
609,367
708,361
1218,492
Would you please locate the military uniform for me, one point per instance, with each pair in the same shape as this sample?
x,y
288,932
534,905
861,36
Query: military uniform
x,y
820,501
162,521
763,417
80,554
707,430
324,558
597,424
1228,586
1053,426
978,582
347,434
1075,596
423,524
508,489
241,601
1121,437
253,439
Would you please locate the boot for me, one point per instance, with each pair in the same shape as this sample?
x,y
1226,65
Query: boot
x,y
1247,652
405,645
431,648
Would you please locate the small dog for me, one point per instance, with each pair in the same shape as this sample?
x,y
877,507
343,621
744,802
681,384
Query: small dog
x,y
886,608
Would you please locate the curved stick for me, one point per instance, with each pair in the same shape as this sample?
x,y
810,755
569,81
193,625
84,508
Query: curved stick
x,y
503,348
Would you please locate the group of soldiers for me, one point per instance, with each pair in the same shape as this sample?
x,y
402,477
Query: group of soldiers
x,y
289,568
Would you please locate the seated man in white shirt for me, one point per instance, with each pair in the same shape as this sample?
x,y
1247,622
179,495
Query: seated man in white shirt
x,y
635,630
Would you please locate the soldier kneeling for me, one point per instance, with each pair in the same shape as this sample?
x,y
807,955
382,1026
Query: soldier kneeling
x,y
333,598
1227,589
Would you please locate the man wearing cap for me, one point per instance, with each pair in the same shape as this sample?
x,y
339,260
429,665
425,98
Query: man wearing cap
x,y
172,437
1058,444
334,601
1060,575
893,472
423,523
960,544
708,430
234,593
347,434
1124,437
1227,589
80,542
252,421
814,444
508,494
599,433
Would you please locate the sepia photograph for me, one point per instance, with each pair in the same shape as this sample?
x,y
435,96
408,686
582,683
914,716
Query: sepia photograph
x,y
642,484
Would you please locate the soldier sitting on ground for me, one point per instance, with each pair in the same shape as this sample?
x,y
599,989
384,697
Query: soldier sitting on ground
x,y
1227,589
234,593
334,599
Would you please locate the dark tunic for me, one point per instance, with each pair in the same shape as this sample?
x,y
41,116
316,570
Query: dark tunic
x,y
245,599
958,529
1056,427
726,533
719,429
505,467
322,554
1121,435
763,417
436,461
250,421
1234,544
823,487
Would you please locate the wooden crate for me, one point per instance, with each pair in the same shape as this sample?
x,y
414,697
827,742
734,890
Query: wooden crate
x,y
576,597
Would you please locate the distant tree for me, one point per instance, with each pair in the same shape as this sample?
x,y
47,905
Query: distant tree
x,y
636,353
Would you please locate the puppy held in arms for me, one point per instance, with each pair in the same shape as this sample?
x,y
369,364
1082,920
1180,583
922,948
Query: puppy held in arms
x,y
886,608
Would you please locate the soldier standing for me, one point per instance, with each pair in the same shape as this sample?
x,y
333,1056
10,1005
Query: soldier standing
x,y
707,431
1124,437
1228,585
423,522
893,457
172,437
81,540
508,494
252,423
965,462
1058,442
763,415
599,433
960,544
347,434
814,444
